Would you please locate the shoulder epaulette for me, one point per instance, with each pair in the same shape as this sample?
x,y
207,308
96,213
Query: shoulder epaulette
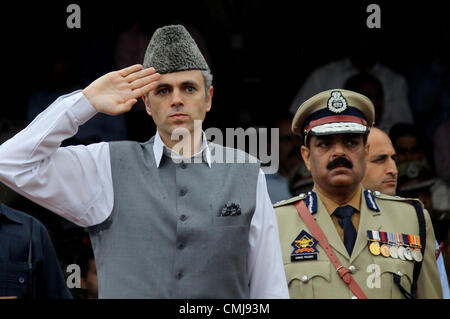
x,y
380,195
289,201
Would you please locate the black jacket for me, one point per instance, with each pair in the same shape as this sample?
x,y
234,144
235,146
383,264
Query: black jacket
x,y
28,268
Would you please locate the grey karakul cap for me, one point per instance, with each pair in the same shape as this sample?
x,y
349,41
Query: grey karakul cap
x,y
172,49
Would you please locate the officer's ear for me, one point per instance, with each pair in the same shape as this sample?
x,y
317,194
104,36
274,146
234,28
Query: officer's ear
x,y
366,149
305,151
146,101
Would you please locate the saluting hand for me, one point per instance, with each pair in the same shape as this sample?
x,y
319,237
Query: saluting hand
x,y
116,92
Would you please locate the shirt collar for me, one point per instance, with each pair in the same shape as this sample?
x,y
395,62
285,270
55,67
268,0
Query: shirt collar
x,y
159,148
331,206
9,214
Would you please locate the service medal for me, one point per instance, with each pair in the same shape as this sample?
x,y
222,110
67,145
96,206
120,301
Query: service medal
x,y
401,252
393,251
374,248
417,255
384,249
408,254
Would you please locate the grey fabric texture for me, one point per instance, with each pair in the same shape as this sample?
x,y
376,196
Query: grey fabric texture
x,y
165,237
172,49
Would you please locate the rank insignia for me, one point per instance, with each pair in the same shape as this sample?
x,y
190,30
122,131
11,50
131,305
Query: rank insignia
x,y
370,200
304,247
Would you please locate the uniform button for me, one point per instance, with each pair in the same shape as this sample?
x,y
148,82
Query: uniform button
x,y
304,278
21,280
183,165
352,269
399,273
183,191
181,246
183,217
179,275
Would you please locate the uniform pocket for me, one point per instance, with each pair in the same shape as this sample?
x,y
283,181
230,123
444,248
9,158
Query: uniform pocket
x,y
390,267
17,279
307,279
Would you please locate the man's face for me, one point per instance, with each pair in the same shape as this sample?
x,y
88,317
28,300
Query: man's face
x,y
336,162
381,169
178,100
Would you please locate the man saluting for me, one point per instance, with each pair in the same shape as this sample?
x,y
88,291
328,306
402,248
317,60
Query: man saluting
x,y
164,222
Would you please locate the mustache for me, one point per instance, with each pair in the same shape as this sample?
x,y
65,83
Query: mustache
x,y
338,161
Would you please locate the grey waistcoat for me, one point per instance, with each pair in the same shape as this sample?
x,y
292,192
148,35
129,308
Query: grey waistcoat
x,y
165,237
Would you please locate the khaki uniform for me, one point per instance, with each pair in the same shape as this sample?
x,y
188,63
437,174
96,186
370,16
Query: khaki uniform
x,y
374,274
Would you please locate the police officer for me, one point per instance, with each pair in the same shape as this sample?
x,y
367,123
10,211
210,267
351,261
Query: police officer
x,y
340,240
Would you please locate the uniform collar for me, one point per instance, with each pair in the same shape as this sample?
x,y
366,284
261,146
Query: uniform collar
x,y
331,206
355,202
9,214
159,148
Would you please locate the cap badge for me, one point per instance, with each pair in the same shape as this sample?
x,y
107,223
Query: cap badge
x,y
337,103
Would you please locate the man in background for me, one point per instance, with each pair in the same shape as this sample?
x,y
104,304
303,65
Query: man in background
x,y
382,176
381,170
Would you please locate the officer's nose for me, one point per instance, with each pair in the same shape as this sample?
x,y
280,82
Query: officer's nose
x,y
392,168
338,150
177,101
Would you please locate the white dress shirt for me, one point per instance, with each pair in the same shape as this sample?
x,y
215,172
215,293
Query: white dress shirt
x,y
75,182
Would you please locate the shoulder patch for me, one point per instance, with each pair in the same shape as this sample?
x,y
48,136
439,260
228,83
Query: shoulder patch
x,y
290,200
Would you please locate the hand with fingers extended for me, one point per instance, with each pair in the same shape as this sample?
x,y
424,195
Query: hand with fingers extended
x,y
116,92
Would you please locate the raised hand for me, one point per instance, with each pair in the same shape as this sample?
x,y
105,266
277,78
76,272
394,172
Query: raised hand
x,y
116,92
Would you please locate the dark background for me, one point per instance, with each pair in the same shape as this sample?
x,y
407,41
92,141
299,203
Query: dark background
x,y
259,51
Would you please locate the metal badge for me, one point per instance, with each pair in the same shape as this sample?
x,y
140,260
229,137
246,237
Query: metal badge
x,y
394,251
384,249
408,254
417,255
401,252
337,103
374,248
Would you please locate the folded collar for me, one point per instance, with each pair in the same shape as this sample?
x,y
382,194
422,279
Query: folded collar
x,y
159,148
9,214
